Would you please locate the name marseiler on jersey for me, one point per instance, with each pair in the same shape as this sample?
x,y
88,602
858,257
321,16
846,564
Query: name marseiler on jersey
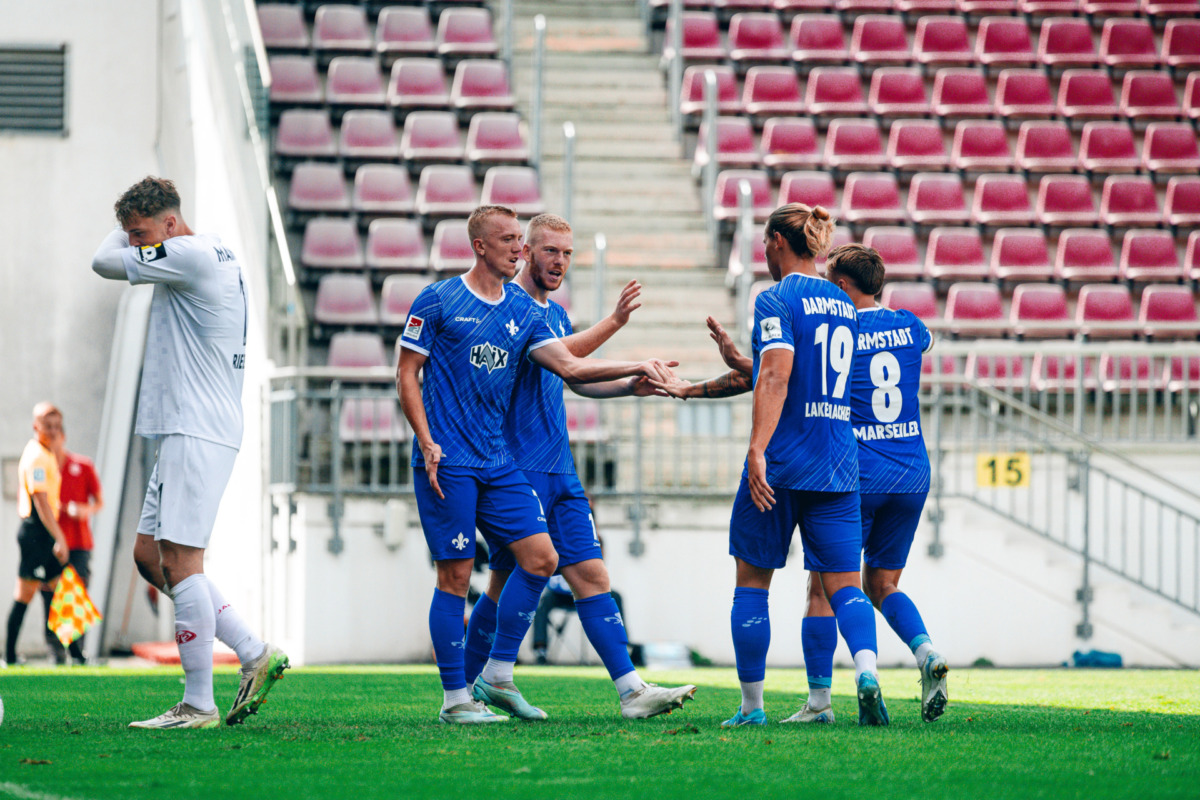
x,y
893,430
488,355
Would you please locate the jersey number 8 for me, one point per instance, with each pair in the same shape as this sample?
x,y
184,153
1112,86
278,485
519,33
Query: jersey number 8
x,y
887,399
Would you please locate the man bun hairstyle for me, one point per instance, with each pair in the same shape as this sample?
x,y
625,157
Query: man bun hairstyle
x,y
481,215
808,231
147,198
859,264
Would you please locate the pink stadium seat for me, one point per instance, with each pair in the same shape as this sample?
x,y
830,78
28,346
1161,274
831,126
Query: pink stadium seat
x,y
917,145
1125,373
1182,375
1067,42
515,187
1100,305
496,137
396,244
1045,147
340,30
417,83
811,188
345,299
818,39
481,84
353,350
430,137
758,258
318,188
1062,373
446,190
1191,261
730,6
1085,254
1166,9
897,246
974,303
1004,42
961,93
354,82
969,7
852,7
1066,201
1087,94
955,253
736,145
756,37
305,133
465,33
403,31
919,298
282,26
396,299
1001,200
1174,305
1024,93
1149,255
1171,147
691,100
854,144
833,91
943,41
1047,8
331,243
898,92
981,146
1182,207
1108,147
918,8
451,250
369,419
789,143
880,39
1191,96
294,81
1129,201
725,201
368,135
383,190
1110,8
1181,43
871,197
1149,94
937,199
701,38
1128,43
1020,254
1039,311
772,92
1003,372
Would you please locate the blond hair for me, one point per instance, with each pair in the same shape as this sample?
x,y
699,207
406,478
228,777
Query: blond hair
x,y
481,215
549,222
808,231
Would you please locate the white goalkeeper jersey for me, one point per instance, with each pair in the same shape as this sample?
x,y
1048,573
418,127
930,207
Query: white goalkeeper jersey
x,y
195,359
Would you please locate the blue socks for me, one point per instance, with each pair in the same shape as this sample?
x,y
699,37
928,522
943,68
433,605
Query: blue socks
x,y
481,632
902,615
751,626
855,618
518,602
606,631
446,630
818,636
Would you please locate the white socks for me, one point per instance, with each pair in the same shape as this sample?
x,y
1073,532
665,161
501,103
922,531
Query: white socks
x,y
497,671
820,698
752,696
195,625
922,652
864,661
456,698
233,630
629,683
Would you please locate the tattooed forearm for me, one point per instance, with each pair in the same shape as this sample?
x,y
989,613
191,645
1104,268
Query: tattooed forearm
x,y
730,384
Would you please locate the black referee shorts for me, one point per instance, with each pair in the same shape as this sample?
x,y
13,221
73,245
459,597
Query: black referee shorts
x,y
37,551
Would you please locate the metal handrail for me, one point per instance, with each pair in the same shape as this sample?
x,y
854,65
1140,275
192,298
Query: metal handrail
x,y
539,78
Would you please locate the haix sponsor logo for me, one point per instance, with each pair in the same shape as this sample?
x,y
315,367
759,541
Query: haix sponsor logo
x,y
489,356
183,637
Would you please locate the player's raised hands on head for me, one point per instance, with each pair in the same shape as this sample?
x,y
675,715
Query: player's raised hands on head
x,y
432,452
626,303
730,354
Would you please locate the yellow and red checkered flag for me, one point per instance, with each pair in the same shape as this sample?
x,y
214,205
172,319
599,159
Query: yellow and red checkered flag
x,y
71,610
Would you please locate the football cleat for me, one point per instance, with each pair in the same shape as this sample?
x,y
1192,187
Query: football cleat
x,y
505,696
652,700
810,714
755,717
933,687
181,715
871,710
472,712
257,679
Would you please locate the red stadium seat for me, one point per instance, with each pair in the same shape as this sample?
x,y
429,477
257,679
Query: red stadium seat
x,y
417,83
917,145
789,143
481,84
1149,255
833,91
396,299
818,39
811,188
772,92
1182,207
787,9
1110,8
730,6
318,188
1063,373
961,93
1021,254
871,197
515,187
880,39
383,190
755,37
1191,261
1181,43
981,146
897,246
1149,94
1039,311
1191,96
395,244
701,38
1182,375
352,350
852,7
331,243
736,145
943,41
1166,9
1108,147
1171,147
1066,201
345,299
1003,372
1004,42
1024,93
918,8
282,26
1066,43
403,31
305,133
1129,201
368,135
919,298
1085,254
294,81
758,258
898,92
1045,147
974,303
1174,305
1100,305
937,199
1001,200
854,144
725,201
451,251
1128,43
691,100
955,253
1087,94
465,33
342,30
1125,373
354,82
1046,8
496,137
446,190
431,137
369,419
969,7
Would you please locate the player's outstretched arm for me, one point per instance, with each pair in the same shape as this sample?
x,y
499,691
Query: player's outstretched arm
x,y
586,342
555,357
408,386
640,386
729,352
728,385
108,261
774,370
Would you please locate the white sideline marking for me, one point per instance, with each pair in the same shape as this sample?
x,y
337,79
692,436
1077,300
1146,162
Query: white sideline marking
x,y
21,793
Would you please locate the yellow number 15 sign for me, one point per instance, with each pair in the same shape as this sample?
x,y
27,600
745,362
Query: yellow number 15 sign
x,y
1004,470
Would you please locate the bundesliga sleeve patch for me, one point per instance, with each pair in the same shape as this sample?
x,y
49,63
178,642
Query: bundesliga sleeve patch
x,y
152,252
39,475
771,329
413,329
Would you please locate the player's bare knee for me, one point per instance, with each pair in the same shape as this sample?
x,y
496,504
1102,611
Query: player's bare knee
x,y
454,577
587,578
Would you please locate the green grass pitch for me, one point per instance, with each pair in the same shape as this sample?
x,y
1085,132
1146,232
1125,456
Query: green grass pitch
x,y
372,732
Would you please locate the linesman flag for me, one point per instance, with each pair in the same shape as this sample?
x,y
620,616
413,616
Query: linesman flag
x,y
71,611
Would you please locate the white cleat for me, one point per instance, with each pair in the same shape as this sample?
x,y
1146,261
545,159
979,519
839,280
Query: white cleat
x,y
652,700
181,715
472,712
810,714
933,687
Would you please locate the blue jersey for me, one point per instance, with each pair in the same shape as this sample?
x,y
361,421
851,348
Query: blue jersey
x,y
884,407
813,446
536,425
473,347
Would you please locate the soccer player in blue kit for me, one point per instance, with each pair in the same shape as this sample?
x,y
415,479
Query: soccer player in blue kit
x,y
536,431
467,334
802,464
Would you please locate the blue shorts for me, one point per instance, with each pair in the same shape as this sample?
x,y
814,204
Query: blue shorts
x,y
830,529
572,528
889,522
496,500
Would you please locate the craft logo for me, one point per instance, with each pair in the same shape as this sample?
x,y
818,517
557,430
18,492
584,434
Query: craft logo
x,y
413,329
488,355
152,252
183,637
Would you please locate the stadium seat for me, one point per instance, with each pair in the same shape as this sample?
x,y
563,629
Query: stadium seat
x,y
852,144
969,7
446,190
974,302
1086,255
772,92
383,190
919,8
1191,97
368,419
789,143
1191,261
1149,255
1004,42
701,38
736,146
1045,147
1024,93
465,33
841,236
1128,43
871,197
691,95
809,187
396,299
1181,43
818,39
727,7
403,31
417,83
305,133
354,82
1107,147
725,196
1173,305
1129,201
282,26
431,137
496,137
1003,372
1066,201
757,37
897,246
345,299
955,253
1182,375
1020,254
1067,42
1087,94
981,146
850,8
919,298
1149,94
835,91
787,9
880,39
943,41
481,84
451,251
1182,206
937,199
1047,8
1127,373
1166,9
1062,373
1101,305
368,135
1171,147
341,30
294,82
396,244
515,187
898,92
1039,311
1001,200
318,188
917,145
331,243
961,93
758,258
1110,8
353,350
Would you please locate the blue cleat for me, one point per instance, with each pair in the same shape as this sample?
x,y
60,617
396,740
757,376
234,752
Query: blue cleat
x,y
507,697
871,710
755,717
